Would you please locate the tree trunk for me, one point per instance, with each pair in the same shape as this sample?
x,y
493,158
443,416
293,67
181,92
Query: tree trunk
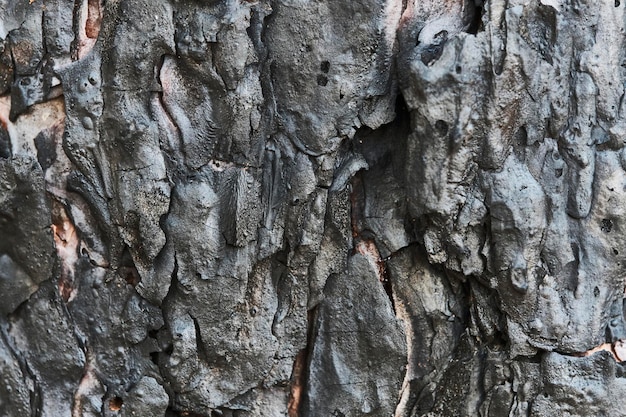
x,y
312,208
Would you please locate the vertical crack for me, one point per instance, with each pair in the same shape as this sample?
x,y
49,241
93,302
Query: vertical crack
x,y
298,383
94,19
87,20
66,242
300,372
200,346
364,242
172,149
87,385
473,14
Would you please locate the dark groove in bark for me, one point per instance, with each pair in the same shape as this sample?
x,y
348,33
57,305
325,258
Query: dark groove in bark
x,y
300,373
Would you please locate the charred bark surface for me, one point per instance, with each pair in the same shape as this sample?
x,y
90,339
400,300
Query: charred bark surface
x,y
289,208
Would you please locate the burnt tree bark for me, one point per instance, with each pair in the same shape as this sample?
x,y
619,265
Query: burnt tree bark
x,y
312,208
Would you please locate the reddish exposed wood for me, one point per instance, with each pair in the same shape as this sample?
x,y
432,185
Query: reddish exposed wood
x,y
297,386
94,19
67,244
616,349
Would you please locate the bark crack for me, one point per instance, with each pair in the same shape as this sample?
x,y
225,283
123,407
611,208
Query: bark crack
x,y
300,372
363,241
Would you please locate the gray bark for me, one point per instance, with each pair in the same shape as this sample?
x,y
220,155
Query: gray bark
x,y
312,208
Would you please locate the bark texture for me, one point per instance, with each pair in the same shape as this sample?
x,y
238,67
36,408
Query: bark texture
x,y
312,208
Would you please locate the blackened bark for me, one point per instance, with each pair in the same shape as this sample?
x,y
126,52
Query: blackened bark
x,y
292,208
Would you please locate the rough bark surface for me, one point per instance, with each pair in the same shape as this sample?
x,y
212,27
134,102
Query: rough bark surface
x,y
312,208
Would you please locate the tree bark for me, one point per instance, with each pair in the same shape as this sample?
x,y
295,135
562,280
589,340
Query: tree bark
x,y
312,208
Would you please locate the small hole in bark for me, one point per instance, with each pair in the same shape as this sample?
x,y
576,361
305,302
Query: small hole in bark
x,y
432,53
441,127
115,404
325,67
458,69
596,291
322,80
607,225
615,251
558,172
617,3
